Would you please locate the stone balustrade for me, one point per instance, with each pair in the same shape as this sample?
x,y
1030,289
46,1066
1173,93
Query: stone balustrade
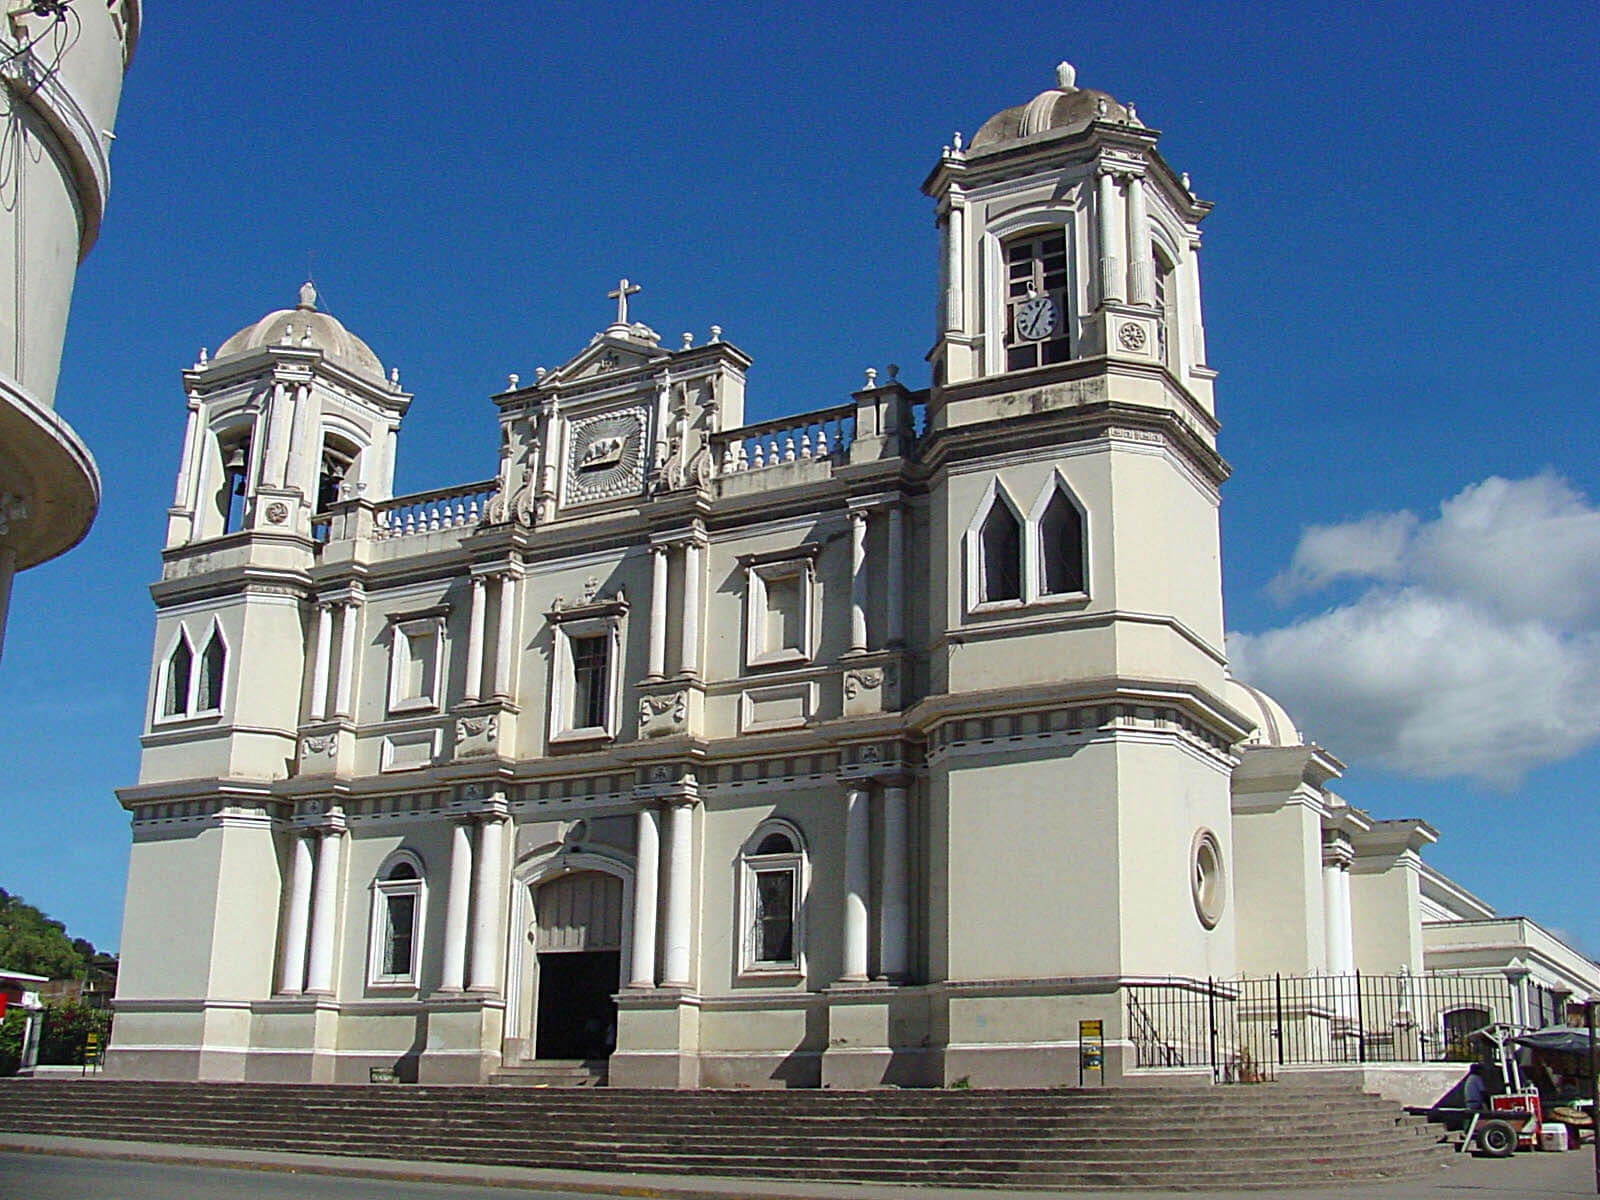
x,y
425,512
822,434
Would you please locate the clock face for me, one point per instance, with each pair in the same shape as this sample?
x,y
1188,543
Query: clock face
x,y
1036,318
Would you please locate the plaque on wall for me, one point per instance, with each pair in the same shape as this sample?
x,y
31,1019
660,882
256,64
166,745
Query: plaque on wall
x,y
605,457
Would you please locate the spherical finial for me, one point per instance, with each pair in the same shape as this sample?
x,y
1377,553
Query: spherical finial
x,y
716,333
872,377
308,295
512,381
688,341
1066,76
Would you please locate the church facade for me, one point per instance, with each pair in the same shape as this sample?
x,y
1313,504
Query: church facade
x,y
878,744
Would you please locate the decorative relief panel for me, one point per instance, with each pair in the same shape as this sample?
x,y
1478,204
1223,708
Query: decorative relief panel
x,y
477,735
606,457
664,714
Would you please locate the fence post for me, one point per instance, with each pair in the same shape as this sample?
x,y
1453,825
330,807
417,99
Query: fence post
x,y
1211,1018
1277,988
1361,1024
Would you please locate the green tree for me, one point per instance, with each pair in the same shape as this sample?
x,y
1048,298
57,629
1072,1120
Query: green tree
x,y
34,944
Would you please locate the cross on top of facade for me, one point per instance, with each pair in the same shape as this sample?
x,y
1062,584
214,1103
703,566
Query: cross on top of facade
x,y
624,290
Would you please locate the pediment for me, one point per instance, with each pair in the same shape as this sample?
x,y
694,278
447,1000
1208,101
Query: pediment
x,y
608,355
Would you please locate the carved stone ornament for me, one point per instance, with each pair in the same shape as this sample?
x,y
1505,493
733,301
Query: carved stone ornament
x,y
605,457
664,714
477,735
661,773
1131,336
320,744
856,682
871,754
277,512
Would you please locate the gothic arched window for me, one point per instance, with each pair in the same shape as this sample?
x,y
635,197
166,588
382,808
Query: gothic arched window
x,y
177,672
213,664
1000,554
1061,546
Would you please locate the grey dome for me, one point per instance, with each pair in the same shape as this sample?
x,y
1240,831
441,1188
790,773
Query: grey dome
x,y
303,325
1063,107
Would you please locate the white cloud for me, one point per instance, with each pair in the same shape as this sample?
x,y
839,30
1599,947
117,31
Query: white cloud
x,y
1475,651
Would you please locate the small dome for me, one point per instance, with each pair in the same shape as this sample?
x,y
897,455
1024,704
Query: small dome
x,y
1274,726
1063,107
303,325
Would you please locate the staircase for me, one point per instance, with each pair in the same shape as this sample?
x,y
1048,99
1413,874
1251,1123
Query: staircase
x,y
1270,1135
555,1073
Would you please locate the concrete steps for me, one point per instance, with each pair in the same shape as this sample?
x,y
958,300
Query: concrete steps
x,y
1258,1136
554,1074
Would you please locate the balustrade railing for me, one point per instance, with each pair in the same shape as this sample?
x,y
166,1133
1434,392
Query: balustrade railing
x,y
809,436
424,512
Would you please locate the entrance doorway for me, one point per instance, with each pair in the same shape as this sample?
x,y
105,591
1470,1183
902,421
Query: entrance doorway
x,y
578,938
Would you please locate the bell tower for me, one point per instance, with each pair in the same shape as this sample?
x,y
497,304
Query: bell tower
x,y
292,415
1075,585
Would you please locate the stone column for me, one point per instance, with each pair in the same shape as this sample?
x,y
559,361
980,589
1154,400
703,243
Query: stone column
x,y
646,892
680,823
658,612
323,661
895,577
187,487
1141,264
453,976
487,902
858,581
292,966
474,680
954,249
1109,229
690,651
857,881
504,647
894,885
297,447
324,913
1336,909
347,658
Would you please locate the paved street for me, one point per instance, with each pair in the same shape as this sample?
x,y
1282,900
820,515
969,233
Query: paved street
x,y
79,1169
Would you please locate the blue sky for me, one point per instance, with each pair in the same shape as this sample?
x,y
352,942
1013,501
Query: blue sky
x,y
1397,292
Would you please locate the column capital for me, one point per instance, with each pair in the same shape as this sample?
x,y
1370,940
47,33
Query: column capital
x,y
1337,854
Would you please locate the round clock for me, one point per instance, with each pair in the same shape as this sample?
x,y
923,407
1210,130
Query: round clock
x,y
1036,318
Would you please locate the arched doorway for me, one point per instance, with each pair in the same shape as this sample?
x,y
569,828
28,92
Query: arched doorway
x,y
578,939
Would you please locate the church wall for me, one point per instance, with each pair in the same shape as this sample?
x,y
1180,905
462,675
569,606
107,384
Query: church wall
x,y
1277,857
1386,916
169,912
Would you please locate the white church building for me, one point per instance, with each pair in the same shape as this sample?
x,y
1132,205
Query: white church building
x,y
882,743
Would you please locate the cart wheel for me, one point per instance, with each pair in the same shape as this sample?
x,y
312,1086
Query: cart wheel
x,y
1497,1139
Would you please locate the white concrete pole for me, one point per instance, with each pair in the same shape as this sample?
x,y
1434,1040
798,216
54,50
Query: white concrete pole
x,y
324,913
646,896
1110,231
895,929
690,651
954,250
347,658
1347,942
486,905
474,681
322,663
1141,264
504,649
680,822
453,976
292,965
1331,914
895,576
857,881
658,612
858,581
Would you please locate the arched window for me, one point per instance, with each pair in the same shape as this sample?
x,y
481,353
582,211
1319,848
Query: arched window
x,y
773,878
1000,554
1166,303
178,672
213,662
336,475
1036,300
235,451
399,896
1060,546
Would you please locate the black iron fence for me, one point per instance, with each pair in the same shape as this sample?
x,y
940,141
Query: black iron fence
x,y
1245,1029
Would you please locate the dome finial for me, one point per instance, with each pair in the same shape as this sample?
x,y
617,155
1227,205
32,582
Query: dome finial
x,y
308,296
1066,76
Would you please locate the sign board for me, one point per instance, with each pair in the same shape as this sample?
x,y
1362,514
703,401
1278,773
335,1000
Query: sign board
x,y
1091,1049
382,1075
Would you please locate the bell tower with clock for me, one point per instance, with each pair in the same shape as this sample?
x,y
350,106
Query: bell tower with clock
x,y
1073,496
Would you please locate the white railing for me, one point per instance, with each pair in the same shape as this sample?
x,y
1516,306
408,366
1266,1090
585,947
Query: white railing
x,y
809,436
424,512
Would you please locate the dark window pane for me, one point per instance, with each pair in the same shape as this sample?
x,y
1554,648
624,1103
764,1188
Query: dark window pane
x,y
179,666
1056,350
1061,535
211,665
397,949
1001,546
775,916
775,843
589,662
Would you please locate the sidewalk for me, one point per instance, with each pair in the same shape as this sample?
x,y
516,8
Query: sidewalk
x,y
1462,1177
